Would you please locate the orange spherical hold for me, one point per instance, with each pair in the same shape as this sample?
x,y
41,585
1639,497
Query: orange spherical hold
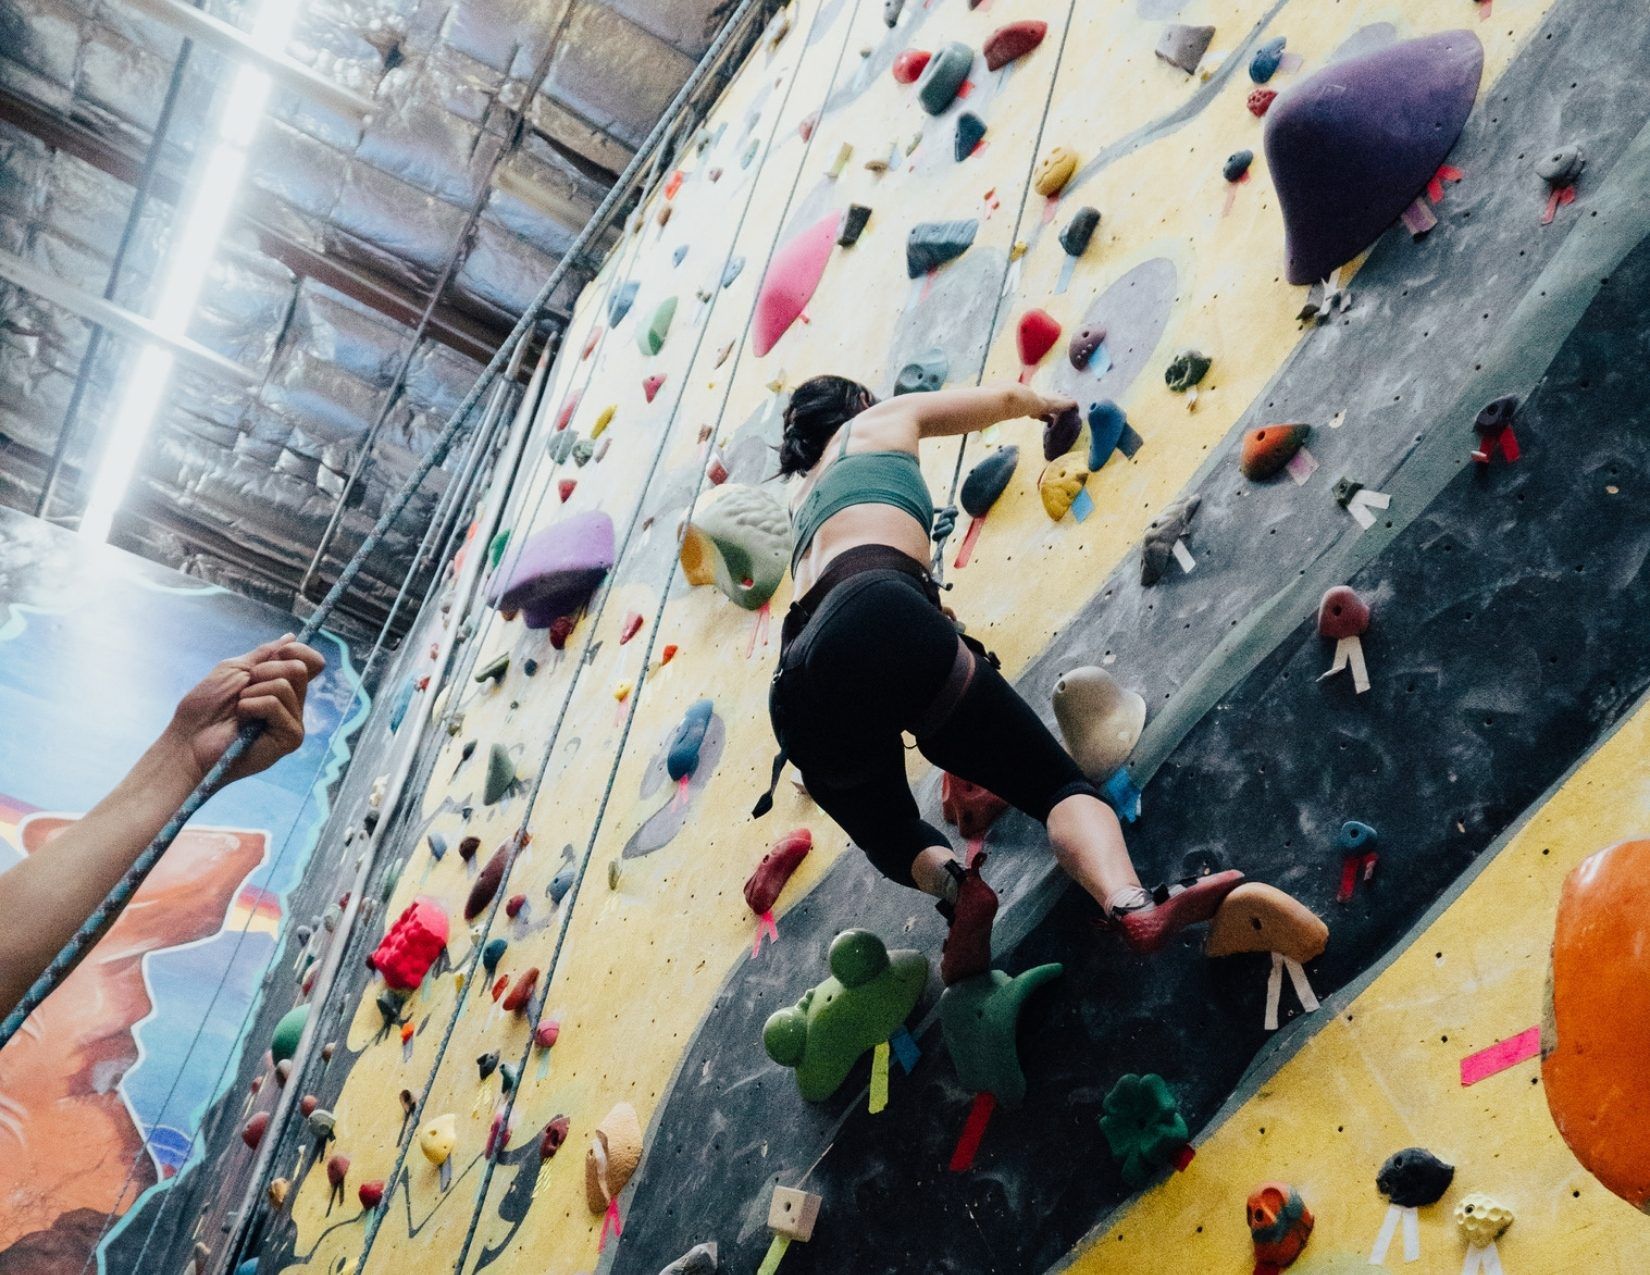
x,y
1268,449
1279,1223
1596,1033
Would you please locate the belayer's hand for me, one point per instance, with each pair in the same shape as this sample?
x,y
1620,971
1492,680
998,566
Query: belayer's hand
x,y
267,684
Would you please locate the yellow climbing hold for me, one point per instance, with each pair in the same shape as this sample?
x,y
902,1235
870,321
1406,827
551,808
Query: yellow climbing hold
x,y
621,692
603,421
1020,248
438,1138
879,1079
1060,482
1055,171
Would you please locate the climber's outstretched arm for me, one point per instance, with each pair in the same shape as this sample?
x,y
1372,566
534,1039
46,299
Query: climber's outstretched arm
x,y
45,898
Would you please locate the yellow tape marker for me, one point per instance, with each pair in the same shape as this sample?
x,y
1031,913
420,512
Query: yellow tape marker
x,y
776,1251
879,1078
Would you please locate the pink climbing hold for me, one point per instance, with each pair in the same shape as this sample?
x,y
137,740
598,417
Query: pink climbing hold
x,y
909,66
789,284
1039,330
651,386
565,416
546,1033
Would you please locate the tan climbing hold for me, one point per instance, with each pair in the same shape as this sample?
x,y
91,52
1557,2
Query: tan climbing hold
x,y
793,1213
1261,918
1055,171
1100,720
1060,482
614,1152
437,1139
1482,1220
279,1189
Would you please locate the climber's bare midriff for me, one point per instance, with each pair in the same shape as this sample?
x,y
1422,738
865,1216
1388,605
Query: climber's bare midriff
x,y
861,525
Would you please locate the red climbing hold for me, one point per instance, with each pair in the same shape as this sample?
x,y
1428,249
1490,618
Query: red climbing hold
x,y
590,341
555,1133
307,1104
467,848
1260,100
1342,614
561,628
673,184
631,627
651,385
909,66
522,992
547,1033
1038,332
971,808
371,1194
967,950
782,860
564,488
337,1171
412,944
1013,41
789,283
486,884
252,1132
565,416
514,905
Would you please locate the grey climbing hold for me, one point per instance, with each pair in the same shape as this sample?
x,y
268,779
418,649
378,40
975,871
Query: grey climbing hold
x,y
924,374
560,884
1157,546
1236,165
1183,46
970,131
1079,230
698,1260
438,845
1264,65
988,480
943,77
1188,369
932,243
853,225
501,774
624,296
890,12
1562,167
487,1064
1084,342
560,446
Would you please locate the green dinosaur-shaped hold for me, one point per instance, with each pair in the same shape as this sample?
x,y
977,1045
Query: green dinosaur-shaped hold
x,y
862,1004
979,1017
1143,1127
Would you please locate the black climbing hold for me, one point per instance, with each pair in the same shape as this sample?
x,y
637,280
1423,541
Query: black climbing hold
x,y
1344,490
1183,46
1188,369
924,374
988,480
468,749
944,76
970,129
1157,547
487,1064
1079,230
1264,65
1061,431
853,225
624,296
1562,167
932,243
529,667
1497,414
1414,1177
493,953
1237,164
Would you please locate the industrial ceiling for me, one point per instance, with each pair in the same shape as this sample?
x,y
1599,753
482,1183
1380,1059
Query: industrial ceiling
x,y
370,271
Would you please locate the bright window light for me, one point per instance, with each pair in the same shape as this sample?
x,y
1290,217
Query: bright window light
x,y
195,238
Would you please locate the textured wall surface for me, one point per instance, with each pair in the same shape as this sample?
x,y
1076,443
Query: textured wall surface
x,y
1497,747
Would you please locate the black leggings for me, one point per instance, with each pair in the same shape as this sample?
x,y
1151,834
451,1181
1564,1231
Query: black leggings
x,y
872,666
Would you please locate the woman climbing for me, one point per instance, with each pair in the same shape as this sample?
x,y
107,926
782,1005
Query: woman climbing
x,y
868,653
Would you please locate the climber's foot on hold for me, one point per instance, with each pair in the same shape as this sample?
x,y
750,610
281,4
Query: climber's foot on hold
x,y
1147,922
967,950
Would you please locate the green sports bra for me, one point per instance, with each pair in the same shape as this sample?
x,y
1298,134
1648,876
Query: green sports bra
x,y
865,478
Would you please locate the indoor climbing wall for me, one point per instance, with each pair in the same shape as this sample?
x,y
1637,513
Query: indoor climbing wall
x,y
559,1063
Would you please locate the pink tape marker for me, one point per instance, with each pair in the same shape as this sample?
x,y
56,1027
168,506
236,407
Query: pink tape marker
x,y
765,928
1500,1056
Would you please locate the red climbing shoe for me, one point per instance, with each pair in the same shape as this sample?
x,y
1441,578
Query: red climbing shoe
x,y
967,950
1173,908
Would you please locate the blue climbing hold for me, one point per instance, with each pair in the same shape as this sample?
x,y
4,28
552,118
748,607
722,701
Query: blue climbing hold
x,y
438,846
624,296
1264,65
560,884
1236,165
1356,836
403,698
683,758
493,953
730,272
1106,425
676,257
970,131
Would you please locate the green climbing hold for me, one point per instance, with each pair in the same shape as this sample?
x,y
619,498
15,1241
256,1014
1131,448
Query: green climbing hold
x,y
284,1043
501,774
651,339
979,1017
495,670
863,1002
495,548
1188,369
739,540
943,77
1143,1127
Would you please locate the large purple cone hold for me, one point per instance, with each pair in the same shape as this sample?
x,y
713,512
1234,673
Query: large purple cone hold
x,y
1352,146
556,570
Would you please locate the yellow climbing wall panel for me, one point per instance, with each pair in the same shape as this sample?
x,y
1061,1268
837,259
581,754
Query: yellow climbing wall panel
x,y
649,940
